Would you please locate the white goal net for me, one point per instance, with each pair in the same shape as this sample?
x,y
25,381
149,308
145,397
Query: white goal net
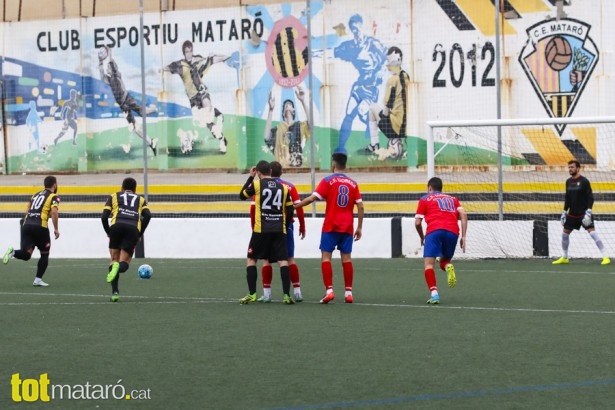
x,y
514,172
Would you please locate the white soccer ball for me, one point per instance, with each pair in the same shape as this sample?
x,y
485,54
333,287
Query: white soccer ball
x,y
145,271
103,53
395,148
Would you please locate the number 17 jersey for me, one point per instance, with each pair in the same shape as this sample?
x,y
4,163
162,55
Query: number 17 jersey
x,y
440,211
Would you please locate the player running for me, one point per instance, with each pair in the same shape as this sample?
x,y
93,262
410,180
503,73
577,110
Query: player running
x,y
441,213
35,228
130,216
342,194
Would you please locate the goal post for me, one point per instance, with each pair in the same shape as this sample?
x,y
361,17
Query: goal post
x,y
514,170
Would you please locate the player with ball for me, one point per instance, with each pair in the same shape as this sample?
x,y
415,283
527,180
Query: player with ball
x,y
130,216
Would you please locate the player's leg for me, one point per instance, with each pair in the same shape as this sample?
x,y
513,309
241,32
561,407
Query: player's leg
x,y
115,241
568,227
43,243
345,247
346,127
266,277
449,243
292,265
279,252
73,124
373,128
328,241
431,250
592,232
61,134
28,242
256,250
215,122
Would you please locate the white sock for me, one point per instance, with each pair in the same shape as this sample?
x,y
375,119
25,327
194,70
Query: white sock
x,y
434,293
297,290
565,244
329,291
373,132
347,293
267,292
599,243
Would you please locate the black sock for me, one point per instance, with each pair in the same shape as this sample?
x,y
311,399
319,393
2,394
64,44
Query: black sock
x,y
115,284
123,267
285,275
42,265
251,276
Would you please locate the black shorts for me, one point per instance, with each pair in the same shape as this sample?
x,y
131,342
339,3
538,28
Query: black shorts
x,y
124,237
272,246
576,222
35,235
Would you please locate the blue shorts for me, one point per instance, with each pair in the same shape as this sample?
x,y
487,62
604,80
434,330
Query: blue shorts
x,y
290,238
330,240
440,243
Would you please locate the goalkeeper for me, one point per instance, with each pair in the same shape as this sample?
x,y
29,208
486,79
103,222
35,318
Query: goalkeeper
x,y
578,211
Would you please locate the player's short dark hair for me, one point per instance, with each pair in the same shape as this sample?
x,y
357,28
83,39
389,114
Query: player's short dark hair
x,y
129,184
276,169
435,183
49,181
340,159
263,167
575,162
187,44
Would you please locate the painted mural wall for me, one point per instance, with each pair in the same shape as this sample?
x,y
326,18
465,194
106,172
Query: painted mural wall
x,y
225,87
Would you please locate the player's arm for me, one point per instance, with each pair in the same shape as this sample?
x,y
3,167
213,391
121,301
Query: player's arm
x,y
271,103
252,213
306,201
146,216
106,213
103,76
247,191
55,216
464,227
358,232
418,224
300,93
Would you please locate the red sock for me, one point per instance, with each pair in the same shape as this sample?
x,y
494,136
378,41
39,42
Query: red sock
x,y
430,278
348,274
327,274
443,263
294,275
267,275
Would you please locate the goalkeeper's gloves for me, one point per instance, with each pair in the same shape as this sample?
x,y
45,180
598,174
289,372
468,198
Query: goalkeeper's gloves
x,y
563,218
587,219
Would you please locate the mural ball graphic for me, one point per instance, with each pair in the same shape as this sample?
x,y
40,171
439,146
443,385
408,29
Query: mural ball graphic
x,y
558,53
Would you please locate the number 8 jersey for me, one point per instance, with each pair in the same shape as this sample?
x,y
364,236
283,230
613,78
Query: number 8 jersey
x,y
341,194
440,211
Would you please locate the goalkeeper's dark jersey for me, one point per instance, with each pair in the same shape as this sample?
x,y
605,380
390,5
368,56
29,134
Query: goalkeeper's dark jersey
x,y
579,196
126,208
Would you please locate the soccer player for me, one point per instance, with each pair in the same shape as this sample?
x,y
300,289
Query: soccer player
x,y
267,270
341,194
391,118
274,210
441,213
130,216
287,139
69,115
577,211
127,103
35,228
191,69
367,55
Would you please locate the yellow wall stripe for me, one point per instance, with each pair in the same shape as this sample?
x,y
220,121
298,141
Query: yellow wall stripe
x,y
549,146
587,138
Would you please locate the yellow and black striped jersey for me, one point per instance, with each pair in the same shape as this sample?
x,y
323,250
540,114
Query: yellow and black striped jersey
x,y
39,211
273,204
126,207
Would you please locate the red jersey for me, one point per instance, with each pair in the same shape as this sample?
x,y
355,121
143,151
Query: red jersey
x,y
341,194
440,211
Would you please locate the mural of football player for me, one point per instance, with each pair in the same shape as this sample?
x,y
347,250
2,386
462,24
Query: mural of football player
x,y
127,103
32,121
288,137
391,116
191,70
69,115
367,55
